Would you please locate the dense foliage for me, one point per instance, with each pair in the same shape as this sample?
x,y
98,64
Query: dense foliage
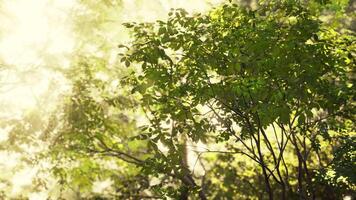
x,y
258,99
241,102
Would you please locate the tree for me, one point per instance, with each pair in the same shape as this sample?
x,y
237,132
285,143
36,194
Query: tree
x,y
238,104
260,82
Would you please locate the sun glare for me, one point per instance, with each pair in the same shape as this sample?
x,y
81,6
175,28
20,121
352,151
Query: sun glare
x,y
31,31
35,26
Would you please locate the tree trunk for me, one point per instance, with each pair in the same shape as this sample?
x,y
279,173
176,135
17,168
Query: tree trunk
x,y
187,179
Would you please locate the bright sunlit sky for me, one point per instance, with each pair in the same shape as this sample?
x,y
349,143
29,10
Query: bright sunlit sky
x,y
32,32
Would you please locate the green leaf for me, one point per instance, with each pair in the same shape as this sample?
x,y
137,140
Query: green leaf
x,y
127,63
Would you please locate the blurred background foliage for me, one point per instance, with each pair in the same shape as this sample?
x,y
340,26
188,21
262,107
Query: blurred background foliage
x,y
73,127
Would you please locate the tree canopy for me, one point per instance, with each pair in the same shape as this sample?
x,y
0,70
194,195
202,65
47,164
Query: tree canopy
x,y
232,75
249,100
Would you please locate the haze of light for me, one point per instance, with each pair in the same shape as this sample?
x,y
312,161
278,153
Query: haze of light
x,y
30,32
